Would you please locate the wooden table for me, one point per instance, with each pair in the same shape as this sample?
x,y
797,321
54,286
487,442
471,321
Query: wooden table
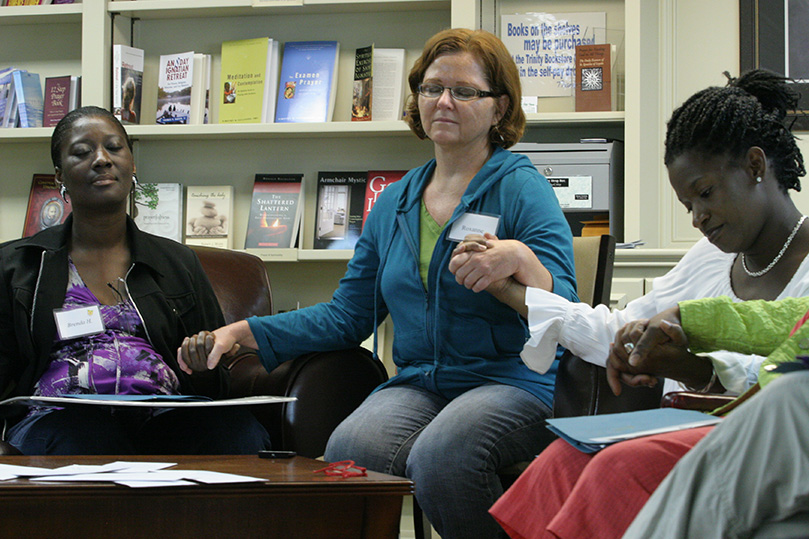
x,y
293,502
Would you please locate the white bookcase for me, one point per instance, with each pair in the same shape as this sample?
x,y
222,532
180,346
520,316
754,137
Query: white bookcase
x,y
76,39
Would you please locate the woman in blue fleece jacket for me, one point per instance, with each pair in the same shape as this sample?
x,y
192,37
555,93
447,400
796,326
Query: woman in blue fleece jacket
x,y
462,404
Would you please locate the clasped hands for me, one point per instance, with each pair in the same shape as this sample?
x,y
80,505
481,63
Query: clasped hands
x,y
203,351
647,348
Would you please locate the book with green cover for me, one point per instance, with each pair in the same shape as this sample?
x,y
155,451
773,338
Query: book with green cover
x,y
247,67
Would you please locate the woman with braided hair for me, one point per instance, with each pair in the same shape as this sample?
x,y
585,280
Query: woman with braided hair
x,y
731,160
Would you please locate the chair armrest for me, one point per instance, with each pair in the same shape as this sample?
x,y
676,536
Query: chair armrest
x,y
689,400
328,386
8,449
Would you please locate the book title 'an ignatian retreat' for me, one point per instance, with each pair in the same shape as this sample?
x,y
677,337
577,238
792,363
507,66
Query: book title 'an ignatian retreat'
x,y
177,68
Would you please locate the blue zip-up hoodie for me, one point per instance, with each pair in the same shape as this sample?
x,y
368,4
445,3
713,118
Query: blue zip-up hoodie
x,y
447,339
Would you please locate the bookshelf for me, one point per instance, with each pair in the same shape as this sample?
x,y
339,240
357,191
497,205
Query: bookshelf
x,y
76,39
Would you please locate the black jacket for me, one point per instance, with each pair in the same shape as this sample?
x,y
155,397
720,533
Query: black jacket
x,y
166,282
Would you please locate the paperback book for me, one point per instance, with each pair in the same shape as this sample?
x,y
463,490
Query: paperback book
x,y
5,91
363,83
127,83
388,86
208,216
248,78
593,78
174,82
275,211
340,205
157,208
62,94
307,84
46,207
29,99
378,180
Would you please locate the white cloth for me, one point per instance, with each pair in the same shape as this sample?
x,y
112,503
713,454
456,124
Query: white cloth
x,y
704,271
746,476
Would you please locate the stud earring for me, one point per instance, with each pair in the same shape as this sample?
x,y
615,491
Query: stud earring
x,y
63,192
758,179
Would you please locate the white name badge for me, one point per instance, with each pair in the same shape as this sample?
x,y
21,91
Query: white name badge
x,y
78,322
473,223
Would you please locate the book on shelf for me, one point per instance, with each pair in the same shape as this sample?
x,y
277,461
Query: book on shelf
x,y
248,77
157,208
27,90
62,94
5,91
593,78
378,180
127,83
363,80
275,211
388,86
340,205
46,207
182,88
307,84
209,211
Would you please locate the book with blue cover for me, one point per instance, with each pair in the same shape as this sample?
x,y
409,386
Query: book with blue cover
x,y
593,433
28,90
307,84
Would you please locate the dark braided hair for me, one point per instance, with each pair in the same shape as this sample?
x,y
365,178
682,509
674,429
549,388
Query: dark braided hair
x,y
750,111
66,124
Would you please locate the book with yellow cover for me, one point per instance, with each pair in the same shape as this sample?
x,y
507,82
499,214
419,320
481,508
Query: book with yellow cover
x,y
246,77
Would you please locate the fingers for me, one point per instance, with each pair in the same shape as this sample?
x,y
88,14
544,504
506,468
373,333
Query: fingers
x,y
193,353
674,332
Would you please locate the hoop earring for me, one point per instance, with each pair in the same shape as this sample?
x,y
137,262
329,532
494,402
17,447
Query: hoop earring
x,y
63,192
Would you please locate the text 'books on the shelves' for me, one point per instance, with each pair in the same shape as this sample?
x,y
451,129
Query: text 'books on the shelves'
x,y
248,80
157,208
307,83
275,211
183,83
62,94
127,83
46,207
379,84
21,98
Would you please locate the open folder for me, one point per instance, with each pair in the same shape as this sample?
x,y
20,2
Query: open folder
x,y
593,433
150,401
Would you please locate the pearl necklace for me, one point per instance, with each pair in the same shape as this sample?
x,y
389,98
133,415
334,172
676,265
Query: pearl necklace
x,y
778,256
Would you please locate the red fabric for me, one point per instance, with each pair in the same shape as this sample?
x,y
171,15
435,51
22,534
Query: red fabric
x,y
565,493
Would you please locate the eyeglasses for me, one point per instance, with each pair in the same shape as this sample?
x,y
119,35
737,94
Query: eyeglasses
x,y
460,93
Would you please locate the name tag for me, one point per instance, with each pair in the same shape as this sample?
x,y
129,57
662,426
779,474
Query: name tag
x,y
78,322
473,223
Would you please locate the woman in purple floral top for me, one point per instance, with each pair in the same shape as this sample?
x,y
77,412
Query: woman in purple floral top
x,y
96,306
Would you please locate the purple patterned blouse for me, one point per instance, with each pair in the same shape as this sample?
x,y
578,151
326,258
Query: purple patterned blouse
x,y
118,361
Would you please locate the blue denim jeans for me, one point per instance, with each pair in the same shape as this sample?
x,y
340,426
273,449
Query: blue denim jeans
x,y
98,430
450,449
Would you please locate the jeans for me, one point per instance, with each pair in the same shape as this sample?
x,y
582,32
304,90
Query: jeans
x,y
450,449
101,430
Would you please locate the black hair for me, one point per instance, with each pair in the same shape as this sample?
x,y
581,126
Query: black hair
x,y
66,124
750,111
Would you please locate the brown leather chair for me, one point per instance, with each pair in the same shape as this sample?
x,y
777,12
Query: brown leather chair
x,y
328,385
